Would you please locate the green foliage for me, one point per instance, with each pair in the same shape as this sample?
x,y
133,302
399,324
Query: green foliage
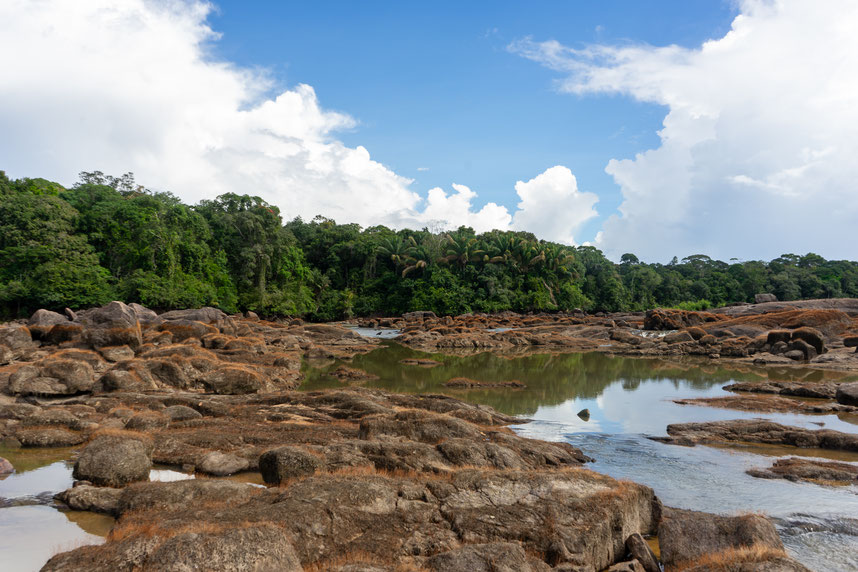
x,y
109,237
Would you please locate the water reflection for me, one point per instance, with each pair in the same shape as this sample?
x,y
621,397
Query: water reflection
x,y
630,399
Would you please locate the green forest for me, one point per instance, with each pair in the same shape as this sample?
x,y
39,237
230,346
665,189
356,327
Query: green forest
x,y
108,238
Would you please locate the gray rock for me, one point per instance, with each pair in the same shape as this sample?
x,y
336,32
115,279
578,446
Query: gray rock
x,y
41,322
6,467
678,337
48,437
114,461
286,463
206,315
490,557
763,298
640,551
147,421
116,353
847,393
181,413
53,377
115,324
96,499
16,338
144,315
685,536
222,464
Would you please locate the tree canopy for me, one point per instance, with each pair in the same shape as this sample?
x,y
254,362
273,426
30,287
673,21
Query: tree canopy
x,y
110,238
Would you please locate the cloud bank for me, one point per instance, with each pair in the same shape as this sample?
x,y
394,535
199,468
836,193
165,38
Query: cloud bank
x,y
127,85
757,153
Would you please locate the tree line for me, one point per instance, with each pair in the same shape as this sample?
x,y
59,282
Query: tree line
x,y
109,238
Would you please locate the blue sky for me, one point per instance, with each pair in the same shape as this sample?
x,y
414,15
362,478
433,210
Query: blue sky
x,y
663,128
434,85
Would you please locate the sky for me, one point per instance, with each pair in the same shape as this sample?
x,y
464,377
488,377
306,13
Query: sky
x,y
725,128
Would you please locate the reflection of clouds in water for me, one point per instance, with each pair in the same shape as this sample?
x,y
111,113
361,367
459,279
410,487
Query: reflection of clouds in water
x,y
54,477
30,535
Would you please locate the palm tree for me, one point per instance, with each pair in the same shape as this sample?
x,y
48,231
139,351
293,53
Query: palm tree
x,y
417,258
394,249
461,250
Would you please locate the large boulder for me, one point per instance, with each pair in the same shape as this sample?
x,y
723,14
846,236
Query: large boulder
x,y
206,315
687,536
115,324
114,460
41,322
145,316
233,380
811,336
763,298
222,464
847,393
257,546
53,376
284,463
16,340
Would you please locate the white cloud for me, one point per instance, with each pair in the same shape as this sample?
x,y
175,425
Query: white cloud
x,y
552,207
758,148
127,85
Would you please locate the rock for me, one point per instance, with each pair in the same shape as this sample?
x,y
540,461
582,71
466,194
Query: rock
x,y
696,332
147,421
812,336
49,437
491,557
68,332
708,340
776,336
144,315
181,413
187,329
6,467
623,336
808,352
252,547
763,298
584,414
96,499
796,355
678,337
759,431
847,393
352,375
52,376
284,463
41,322
812,470
640,551
629,566
112,325
250,315
418,425
466,383
16,338
206,315
419,316
116,353
222,464
114,460
686,536
233,380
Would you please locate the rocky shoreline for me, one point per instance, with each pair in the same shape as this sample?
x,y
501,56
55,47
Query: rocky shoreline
x,y
363,480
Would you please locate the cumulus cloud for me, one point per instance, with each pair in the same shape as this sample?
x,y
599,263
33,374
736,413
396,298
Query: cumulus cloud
x,y
552,206
127,85
757,153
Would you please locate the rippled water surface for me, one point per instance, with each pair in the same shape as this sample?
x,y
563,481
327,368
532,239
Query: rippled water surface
x,y
630,399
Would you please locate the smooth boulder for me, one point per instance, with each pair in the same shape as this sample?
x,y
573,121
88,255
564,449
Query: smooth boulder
x,y
115,324
114,460
284,463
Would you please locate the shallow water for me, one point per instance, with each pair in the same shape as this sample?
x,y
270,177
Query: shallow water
x,y
630,399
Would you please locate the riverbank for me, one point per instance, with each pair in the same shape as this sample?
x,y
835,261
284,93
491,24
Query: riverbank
x,y
356,475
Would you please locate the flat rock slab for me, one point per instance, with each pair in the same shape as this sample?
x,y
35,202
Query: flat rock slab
x,y
810,470
758,431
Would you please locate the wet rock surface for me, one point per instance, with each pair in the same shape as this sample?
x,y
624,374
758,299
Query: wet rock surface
x,y
817,471
758,431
